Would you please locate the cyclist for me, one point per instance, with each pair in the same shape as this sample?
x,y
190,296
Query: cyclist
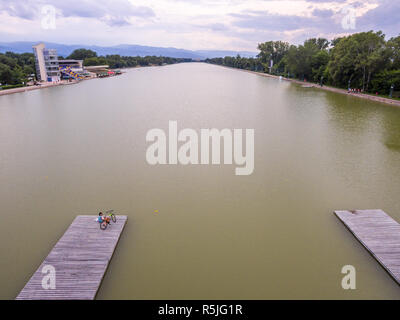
x,y
101,218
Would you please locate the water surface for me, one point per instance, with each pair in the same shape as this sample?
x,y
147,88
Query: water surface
x,y
79,149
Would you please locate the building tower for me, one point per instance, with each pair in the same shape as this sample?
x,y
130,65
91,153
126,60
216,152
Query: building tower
x,y
47,67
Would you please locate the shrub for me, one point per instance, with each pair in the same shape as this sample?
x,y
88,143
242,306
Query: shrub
x,y
12,86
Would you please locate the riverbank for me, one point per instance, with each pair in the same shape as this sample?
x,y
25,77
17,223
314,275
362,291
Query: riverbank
x,y
41,86
343,91
50,84
327,88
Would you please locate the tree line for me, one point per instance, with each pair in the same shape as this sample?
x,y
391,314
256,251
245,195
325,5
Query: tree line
x,y
365,61
16,69
116,61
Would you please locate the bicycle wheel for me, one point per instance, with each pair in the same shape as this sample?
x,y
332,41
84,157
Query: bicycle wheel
x,y
103,225
113,217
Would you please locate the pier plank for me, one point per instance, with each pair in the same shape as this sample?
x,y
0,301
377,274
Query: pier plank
x,y
379,234
80,259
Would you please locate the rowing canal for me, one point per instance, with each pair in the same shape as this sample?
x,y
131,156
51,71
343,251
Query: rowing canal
x,y
200,231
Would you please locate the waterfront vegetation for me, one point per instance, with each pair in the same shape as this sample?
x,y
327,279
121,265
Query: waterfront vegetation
x,y
16,69
116,61
365,61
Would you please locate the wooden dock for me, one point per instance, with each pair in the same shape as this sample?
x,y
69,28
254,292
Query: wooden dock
x,y
379,234
80,259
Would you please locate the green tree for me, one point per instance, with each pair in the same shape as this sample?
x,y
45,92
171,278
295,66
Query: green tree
x,y
394,52
82,54
384,80
357,58
95,61
272,50
364,59
319,63
308,61
5,74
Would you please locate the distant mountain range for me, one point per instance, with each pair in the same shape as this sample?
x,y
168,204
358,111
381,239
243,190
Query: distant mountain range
x,y
125,50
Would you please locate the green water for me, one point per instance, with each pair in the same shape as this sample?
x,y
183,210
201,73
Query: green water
x,y
81,148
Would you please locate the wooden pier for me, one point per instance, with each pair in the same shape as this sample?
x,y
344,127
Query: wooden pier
x,y
80,259
379,234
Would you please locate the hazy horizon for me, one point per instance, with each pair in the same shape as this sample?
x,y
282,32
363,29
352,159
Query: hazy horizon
x,y
124,44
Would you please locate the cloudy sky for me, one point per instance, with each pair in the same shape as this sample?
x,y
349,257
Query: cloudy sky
x,y
192,24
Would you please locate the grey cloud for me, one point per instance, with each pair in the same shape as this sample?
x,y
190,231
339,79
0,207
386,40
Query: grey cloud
x,y
117,22
385,17
327,1
101,8
322,13
265,20
217,27
321,19
18,9
115,12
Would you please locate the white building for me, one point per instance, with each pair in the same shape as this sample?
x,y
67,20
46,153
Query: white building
x,y
47,67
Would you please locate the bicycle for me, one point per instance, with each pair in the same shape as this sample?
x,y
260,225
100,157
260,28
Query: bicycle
x,y
108,217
